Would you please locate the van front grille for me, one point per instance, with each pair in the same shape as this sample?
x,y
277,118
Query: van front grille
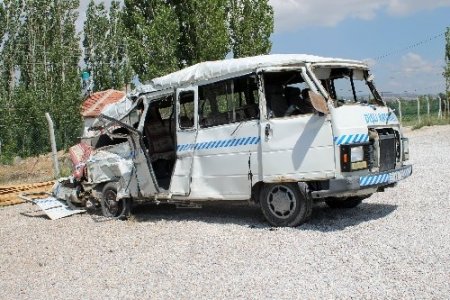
x,y
387,152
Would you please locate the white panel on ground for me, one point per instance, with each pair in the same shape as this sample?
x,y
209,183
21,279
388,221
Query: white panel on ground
x,y
56,209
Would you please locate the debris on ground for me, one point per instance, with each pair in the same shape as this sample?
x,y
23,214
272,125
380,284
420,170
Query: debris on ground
x,y
9,194
55,209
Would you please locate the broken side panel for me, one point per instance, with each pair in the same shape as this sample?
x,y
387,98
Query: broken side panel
x,y
114,164
145,177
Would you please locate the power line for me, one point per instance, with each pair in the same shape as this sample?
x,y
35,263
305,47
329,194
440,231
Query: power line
x,y
411,46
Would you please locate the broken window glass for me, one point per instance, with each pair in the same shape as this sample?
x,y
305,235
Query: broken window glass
x,y
287,94
228,101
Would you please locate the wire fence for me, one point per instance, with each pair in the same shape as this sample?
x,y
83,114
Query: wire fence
x,y
422,111
26,152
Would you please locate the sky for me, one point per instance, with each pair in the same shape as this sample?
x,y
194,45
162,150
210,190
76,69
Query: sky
x,y
402,40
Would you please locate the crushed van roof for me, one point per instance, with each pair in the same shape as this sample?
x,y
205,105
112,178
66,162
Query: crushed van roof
x,y
215,69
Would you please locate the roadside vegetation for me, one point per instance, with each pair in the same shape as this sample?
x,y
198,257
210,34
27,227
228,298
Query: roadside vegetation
x,y
42,56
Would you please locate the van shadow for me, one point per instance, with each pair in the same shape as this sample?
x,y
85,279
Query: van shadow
x,y
323,219
214,213
326,219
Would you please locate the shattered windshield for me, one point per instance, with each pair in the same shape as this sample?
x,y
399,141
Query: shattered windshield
x,y
348,86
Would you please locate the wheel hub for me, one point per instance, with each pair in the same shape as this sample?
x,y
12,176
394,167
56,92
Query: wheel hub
x,y
281,201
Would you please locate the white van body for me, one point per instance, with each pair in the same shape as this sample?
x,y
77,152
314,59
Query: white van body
x,y
236,130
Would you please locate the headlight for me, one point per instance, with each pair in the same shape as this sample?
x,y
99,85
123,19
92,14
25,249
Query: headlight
x,y
357,154
353,158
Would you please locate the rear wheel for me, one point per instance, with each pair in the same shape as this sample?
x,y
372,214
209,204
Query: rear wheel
x,y
342,203
111,207
285,204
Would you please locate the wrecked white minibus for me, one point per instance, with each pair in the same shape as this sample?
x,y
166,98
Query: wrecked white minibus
x,y
281,131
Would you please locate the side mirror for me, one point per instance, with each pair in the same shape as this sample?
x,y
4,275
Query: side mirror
x,y
318,102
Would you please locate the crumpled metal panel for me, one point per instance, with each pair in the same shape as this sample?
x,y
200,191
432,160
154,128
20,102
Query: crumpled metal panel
x,y
60,191
56,209
113,163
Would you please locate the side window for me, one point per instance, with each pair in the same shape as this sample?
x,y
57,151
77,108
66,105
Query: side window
x,y
287,94
228,101
187,110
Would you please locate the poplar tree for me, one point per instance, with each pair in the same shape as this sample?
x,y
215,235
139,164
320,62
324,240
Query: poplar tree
x,y
11,13
117,49
94,43
153,30
251,24
106,46
203,32
65,56
447,62
170,34
40,67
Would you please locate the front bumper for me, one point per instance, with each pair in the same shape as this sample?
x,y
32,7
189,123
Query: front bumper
x,y
373,181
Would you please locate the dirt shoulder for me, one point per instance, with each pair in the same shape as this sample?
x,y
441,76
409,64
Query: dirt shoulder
x,y
33,169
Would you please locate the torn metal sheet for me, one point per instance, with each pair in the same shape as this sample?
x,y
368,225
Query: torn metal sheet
x,y
56,209
116,111
62,191
113,163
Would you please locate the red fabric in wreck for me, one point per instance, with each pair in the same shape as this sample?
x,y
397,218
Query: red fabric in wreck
x,y
78,155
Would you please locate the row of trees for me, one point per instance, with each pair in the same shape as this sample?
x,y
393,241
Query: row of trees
x,y
153,37
447,61
42,54
39,73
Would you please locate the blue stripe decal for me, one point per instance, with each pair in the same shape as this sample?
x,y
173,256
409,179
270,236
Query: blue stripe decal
x,y
377,179
235,142
351,139
341,139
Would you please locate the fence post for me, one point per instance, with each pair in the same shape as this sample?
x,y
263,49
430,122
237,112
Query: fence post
x,y
428,106
418,109
440,108
448,109
399,109
53,144
445,108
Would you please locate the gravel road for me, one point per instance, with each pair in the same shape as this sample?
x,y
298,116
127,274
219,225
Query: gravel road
x,y
395,245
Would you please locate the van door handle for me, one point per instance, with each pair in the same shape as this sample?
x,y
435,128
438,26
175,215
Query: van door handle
x,y
267,130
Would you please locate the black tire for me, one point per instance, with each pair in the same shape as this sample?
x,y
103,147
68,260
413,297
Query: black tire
x,y
343,203
112,208
285,204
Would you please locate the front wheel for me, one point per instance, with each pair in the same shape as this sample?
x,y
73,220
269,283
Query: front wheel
x,y
111,207
285,204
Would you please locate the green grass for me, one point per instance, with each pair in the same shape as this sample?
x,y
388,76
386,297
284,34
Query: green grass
x,y
410,117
